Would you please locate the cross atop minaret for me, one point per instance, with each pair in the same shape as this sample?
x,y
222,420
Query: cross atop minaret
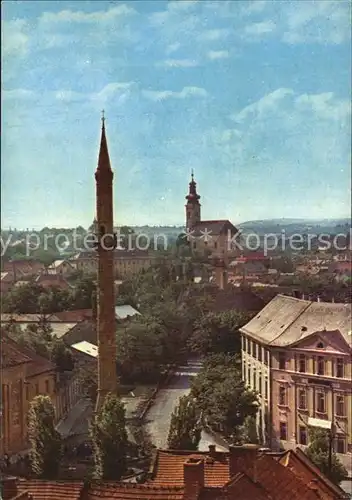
x,y
103,117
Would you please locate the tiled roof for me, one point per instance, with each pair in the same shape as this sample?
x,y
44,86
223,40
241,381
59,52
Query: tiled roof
x,y
302,467
11,354
26,318
242,487
74,316
214,227
281,321
129,491
38,364
85,330
51,490
279,482
168,467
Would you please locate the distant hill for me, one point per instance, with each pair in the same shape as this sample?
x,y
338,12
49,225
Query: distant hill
x,y
300,226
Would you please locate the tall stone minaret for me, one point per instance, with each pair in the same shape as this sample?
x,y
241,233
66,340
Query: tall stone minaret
x,y
107,376
192,205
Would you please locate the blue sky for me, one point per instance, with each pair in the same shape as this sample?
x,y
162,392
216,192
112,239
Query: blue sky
x,y
254,96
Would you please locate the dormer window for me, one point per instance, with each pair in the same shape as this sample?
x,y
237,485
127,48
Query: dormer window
x,y
320,345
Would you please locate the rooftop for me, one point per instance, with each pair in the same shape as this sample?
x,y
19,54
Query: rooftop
x,y
286,320
86,348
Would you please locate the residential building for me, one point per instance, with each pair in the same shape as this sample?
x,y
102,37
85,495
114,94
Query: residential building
x,y
126,262
297,355
242,473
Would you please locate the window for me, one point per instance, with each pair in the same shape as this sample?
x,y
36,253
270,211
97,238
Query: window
x,y
36,389
282,361
260,353
321,402
254,350
302,399
266,388
260,385
302,363
47,387
320,366
340,405
254,379
339,368
303,435
249,375
283,431
282,395
340,444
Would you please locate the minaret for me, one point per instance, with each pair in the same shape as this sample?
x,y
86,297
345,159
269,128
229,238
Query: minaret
x,y
107,376
192,205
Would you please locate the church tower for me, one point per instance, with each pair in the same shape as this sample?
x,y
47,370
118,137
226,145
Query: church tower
x,y
106,243
192,205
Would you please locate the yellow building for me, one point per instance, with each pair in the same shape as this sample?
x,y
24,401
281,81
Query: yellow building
x,y
297,355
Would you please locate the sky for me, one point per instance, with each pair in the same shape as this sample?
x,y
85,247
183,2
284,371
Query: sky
x,y
253,95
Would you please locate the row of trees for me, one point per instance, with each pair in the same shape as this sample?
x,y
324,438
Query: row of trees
x,y
32,298
108,433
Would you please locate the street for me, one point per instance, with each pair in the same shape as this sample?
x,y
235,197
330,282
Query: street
x,y
158,417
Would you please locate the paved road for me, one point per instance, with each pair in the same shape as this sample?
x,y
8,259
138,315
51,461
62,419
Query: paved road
x,y
158,417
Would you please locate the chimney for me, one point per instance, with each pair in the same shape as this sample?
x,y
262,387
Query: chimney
x,y
212,450
297,294
8,487
243,459
193,477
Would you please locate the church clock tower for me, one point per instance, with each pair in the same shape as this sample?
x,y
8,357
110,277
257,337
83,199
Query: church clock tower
x,y
192,205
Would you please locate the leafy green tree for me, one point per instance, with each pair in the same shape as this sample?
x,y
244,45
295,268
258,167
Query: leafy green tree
x,y
61,356
109,437
222,397
218,332
318,452
45,441
23,299
82,296
185,430
249,432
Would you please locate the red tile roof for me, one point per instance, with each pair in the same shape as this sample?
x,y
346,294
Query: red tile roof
x,y
214,227
242,487
11,354
129,491
168,467
51,490
74,316
298,462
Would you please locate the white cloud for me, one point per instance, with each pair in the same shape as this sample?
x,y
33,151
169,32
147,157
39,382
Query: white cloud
x,y
322,21
178,63
260,28
268,102
214,34
155,95
325,106
18,94
173,47
69,16
14,39
182,5
253,7
218,54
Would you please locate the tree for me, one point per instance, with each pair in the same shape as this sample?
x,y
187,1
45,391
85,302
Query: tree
x,y
218,332
61,356
185,429
45,441
222,397
109,437
249,432
318,452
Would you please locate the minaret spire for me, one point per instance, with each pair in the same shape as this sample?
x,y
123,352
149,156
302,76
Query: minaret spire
x,y
193,205
107,376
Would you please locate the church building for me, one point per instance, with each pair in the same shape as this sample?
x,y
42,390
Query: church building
x,y
213,238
